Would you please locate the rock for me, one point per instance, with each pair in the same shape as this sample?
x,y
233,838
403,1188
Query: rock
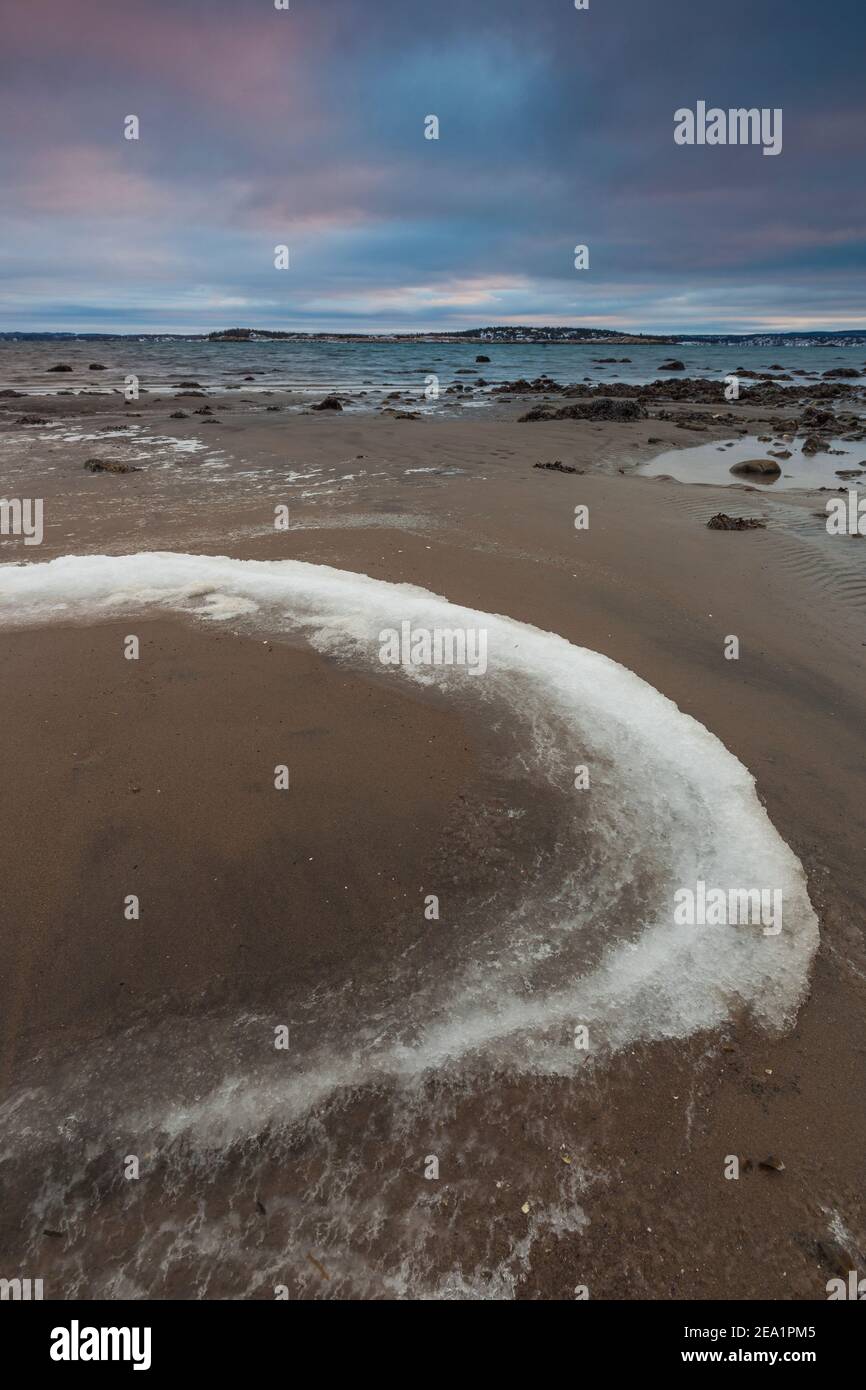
x,y
674,365
812,445
764,468
60,367
695,390
522,387
9,392
482,358
97,367
835,1256
780,453
625,408
204,410
179,415
329,403
722,522
109,466
842,372
189,385
772,1164
557,467
31,420
816,419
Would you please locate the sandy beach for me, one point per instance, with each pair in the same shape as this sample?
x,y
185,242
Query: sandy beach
x,y
259,909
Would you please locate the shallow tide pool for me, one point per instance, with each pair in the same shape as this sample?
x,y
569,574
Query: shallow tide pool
x,y
712,463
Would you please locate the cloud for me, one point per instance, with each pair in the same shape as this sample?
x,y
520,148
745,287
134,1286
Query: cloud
x,y
306,126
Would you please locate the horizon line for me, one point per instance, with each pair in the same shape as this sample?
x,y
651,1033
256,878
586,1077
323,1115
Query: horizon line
x,y
439,332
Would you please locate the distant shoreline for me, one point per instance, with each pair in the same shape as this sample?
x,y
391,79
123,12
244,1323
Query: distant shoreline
x,y
514,335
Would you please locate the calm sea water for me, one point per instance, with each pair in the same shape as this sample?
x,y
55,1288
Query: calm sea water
x,y
378,367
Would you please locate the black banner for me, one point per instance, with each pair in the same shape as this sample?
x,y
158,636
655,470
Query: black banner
x,y
231,1338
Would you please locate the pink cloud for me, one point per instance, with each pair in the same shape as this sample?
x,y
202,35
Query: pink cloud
x,y
246,64
89,181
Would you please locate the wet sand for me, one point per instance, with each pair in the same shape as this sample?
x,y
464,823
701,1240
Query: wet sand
x,y
158,781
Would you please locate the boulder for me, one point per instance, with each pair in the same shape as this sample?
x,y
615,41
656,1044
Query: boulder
x,y
762,468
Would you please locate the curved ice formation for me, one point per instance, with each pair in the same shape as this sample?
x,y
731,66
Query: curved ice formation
x,y
666,795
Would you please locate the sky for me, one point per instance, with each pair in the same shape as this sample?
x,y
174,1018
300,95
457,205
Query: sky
x,y
305,127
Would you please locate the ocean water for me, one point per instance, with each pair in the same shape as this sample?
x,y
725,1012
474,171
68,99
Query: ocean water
x,y
378,368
